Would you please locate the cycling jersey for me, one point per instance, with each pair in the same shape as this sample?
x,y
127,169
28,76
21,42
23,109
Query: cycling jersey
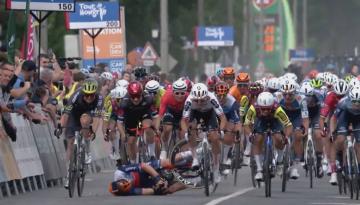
x,y
277,113
76,106
158,96
231,109
168,102
211,103
329,104
107,108
347,114
235,92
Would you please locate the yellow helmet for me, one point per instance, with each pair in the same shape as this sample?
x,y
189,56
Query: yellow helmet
x,y
90,86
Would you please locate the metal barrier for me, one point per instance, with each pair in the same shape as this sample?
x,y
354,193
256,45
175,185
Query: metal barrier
x,y
37,159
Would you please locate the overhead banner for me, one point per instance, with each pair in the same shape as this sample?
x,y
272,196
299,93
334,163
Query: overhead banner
x,y
110,47
214,36
272,35
89,15
42,5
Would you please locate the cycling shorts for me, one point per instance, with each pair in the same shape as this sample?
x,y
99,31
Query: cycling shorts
x,y
209,118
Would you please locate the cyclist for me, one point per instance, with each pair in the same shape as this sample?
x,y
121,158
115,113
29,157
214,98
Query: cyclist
x,y
111,109
231,111
171,107
228,75
122,83
137,106
314,101
141,75
347,112
82,110
331,101
266,114
241,88
153,88
106,82
211,82
296,109
273,86
202,104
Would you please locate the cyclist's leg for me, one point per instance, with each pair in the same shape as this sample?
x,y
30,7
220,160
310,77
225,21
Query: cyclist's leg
x,y
149,136
86,121
257,146
297,145
130,124
228,140
113,138
318,141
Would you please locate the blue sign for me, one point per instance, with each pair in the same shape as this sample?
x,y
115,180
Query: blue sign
x,y
215,36
42,5
115,64
302,54
94,15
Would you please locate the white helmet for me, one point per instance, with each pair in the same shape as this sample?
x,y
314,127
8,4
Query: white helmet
x,y
354,82
274,83
291,76
85,71
306,89
118,92
265,99
354,93
106,75
122,83
289,86
199,91
152,86
341,87
330,79
179,85
321,76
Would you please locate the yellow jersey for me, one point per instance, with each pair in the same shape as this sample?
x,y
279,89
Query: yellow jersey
x,y
278,114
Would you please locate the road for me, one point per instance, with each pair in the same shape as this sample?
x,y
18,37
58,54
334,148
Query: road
x,y
95,193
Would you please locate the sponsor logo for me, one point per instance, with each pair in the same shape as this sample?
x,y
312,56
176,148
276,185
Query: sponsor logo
x,y
94,10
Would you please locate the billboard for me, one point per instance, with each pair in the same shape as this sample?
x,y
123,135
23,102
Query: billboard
x,y
42,5
214,36
94,15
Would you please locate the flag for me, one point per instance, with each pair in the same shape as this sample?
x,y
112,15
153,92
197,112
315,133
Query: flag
x,y
27,23
30,36
10,37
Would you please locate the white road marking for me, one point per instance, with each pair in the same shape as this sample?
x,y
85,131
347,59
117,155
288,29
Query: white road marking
x,y
331,203
224,198
338,197
89,179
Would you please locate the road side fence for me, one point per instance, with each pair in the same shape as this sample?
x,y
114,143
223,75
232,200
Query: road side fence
x,y
37,159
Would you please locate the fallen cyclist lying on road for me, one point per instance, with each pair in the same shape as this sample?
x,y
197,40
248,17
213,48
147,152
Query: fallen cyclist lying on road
x,y
151,178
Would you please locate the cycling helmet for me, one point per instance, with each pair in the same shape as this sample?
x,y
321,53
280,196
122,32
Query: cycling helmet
x,y
348,78
228,71
306,89
354,93
122,83
211,82
140,72
255,88
90,86
312,74
118,92
291,76
265,100
330,79
221,88
179,85
135,89
273,83
354,82
188,82
152,86
316,83
219,71
320,76
120,187
288,86
154,76
199,91
341,87
242,78
106,75
85,71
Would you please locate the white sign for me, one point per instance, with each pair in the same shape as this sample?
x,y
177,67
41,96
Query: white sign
x,y
149,53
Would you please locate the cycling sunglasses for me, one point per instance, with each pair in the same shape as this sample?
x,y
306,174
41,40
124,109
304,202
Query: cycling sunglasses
x,y
229,78
288,94
179,93
199,100
89,95
243,85
357,102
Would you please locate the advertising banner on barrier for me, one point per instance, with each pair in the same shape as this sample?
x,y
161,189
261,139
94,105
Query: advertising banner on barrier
x,y
46,150
100,148
90,15
59,150
8,163
25,150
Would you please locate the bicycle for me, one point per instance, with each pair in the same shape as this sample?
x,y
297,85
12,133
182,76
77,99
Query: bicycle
x,y
286,165
310,158
351,167
77,166
237,157
142,146
173,139
268,165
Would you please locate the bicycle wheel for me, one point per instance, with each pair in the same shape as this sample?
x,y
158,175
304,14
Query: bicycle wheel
x,y
123,152
236,161
286,165
310,162
253,171
143,151
349,171
340,182
82,171
356,175
206,169
73,172
171,144
267,170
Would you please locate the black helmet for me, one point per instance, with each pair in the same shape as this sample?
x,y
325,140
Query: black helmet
x,y
140,72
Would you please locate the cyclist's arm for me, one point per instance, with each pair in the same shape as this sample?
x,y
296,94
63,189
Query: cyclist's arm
x,y
223,121
284,120
95,125
305,115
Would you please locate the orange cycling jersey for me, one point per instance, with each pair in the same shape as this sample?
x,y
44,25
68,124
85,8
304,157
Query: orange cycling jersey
x,y
243,100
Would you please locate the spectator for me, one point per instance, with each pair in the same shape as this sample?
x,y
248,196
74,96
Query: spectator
x,y
50,62
126,76
354,70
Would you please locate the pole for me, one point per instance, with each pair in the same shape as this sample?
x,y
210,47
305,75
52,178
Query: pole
x,y
26,27
230,11
304,23
164,38
245,31
93,43
295,19
281,44
39,44
201,22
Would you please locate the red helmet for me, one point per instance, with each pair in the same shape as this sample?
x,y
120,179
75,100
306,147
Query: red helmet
x,y
255,88
135,89
211,82
188,82
312,74
221,88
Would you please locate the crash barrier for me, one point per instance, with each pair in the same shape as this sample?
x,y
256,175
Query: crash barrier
x,y
37,159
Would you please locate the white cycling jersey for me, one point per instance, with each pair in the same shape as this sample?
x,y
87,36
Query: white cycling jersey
x,y
210,102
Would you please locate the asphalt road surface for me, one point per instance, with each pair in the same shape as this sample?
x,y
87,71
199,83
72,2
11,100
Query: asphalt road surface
x,y
95,193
